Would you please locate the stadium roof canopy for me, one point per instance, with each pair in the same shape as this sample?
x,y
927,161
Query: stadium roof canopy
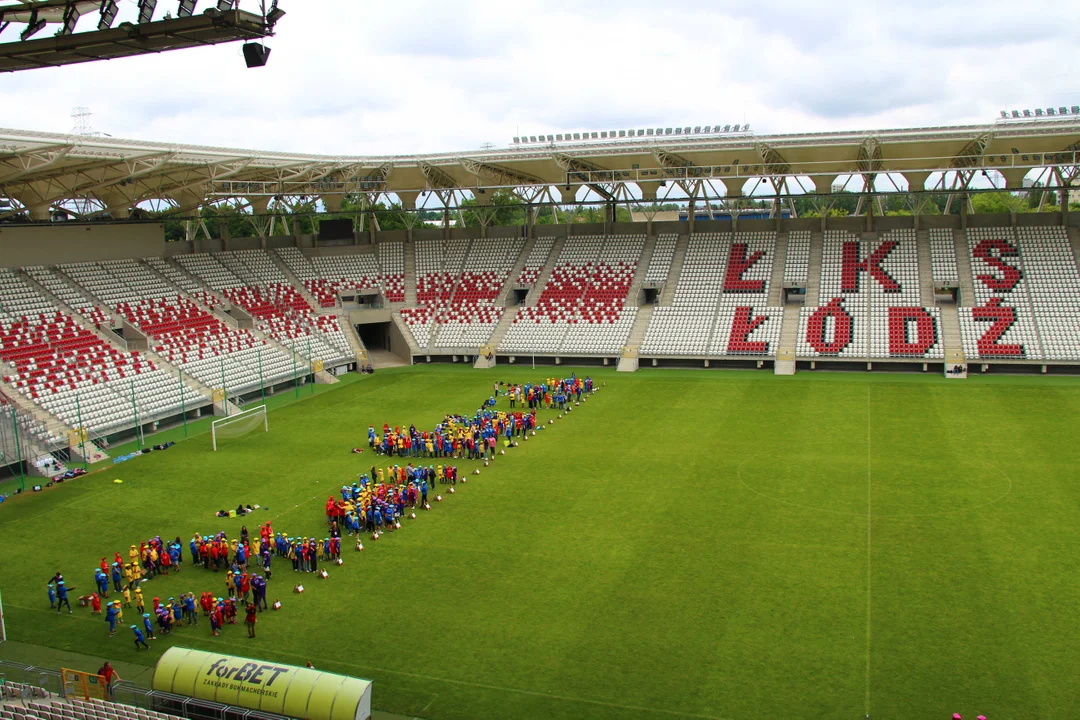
x,y
39,171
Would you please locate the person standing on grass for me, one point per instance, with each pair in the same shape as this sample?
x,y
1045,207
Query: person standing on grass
x,y
139,638
61,595
251,618
111,676
116,577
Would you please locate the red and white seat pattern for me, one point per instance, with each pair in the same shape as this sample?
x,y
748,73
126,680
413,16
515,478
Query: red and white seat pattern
x,y
720,304
74,374
660,262
183,281
325,276
419,321
1027,295
251,280
1001,324
797,262
471,314
588,286
72,297
536,260
943,258
870,301
392,268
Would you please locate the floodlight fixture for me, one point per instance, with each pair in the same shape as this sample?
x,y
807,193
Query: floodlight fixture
x,y
1016,113
1050,111
594,135
1027,113
187,8
551,139
71,18
577,136
517,140
649,131
1004,114
1015,151
1063,110
146,10
274,15
1075,109
109,8
727,128
559,137
33,26
697,128
1038,112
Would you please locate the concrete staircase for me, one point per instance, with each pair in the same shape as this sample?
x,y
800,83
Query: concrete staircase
x,y
502,327
515,273
963,269
84,321
641,324
632,295
926,276
545,272
355,342
298,284
410,274
950,333
789,335
813,275
776,282
667,295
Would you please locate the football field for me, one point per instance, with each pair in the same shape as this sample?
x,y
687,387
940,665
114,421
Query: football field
x,y
686,544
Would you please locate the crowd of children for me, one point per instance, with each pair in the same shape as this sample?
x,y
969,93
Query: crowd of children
x,y
377,501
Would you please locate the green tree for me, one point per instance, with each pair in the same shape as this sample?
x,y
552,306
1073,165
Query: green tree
x,y
996,202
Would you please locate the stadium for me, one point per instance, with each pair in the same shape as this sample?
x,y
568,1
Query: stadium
x,y
695,421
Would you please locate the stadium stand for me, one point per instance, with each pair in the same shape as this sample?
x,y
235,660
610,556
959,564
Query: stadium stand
x,y
72,373
797,262
392,269
325,277
871,301
718,304
470,315
250,279
587,287
660,262
943,258
535,261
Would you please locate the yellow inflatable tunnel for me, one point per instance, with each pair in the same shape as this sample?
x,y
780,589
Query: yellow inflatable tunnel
x,y
270,687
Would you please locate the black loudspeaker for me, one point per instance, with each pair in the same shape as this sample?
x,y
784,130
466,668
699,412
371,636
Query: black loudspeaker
x,y
255,55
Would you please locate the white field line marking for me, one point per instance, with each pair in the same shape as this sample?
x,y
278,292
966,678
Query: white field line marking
x,y
869,535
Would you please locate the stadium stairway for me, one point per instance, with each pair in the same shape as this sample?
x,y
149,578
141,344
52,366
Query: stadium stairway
x,y
298,284
633,294
357,345
410,274
963,269
64,306
514,274
637,330
789,334
667,294
813,275
776,282
926,276
545,273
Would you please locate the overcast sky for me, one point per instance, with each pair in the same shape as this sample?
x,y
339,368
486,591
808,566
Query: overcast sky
x,y
360,76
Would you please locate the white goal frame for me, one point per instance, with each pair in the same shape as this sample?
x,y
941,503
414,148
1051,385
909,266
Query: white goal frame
x,y
233,418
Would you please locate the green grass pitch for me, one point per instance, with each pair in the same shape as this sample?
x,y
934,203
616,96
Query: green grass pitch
x,y
687,544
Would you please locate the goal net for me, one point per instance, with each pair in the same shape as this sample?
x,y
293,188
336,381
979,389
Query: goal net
x,y
239,424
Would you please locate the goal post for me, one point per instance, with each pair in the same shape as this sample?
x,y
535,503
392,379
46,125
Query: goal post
x,y
239,424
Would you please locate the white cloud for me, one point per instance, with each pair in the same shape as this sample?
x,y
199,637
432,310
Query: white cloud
x,y
355,77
